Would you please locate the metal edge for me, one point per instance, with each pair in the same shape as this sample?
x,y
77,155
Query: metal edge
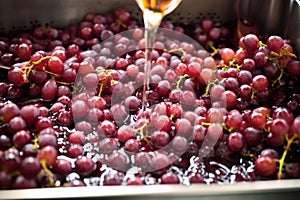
x,y
199,190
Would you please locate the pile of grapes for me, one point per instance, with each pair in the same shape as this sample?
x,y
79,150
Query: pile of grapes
x,y
70,106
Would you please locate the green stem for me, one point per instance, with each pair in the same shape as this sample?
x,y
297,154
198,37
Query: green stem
x,y
227,129
286,149
48,172
180,78
261,44
140,131
181,50
253,91
215,50
40,60
100,89
64,83
205,123
279,77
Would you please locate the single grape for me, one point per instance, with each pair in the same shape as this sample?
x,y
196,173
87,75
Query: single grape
x,y
142,159
23,51
179,144
270,153
283,113
29,150
260,82
47,154
274,43
90,80
188,98
199,133
107,129
294,67
10,161
159,162
125,133
207,24
244,77
5,142
234,119
260,59
43,123
169,178
134,180
30,167
47,140
113,178
21,138
162,123
193,69
279,127
183,127
49,90
163,88
16,124
118,160
245,91
17,77
257,120
196,178
132,103
265,166
84,165
227,55
250,42
119,112
132,145
228,99
214,115
160,139
252,136
174,110
62,167
79,109
30,113
216,91
235,141
55,65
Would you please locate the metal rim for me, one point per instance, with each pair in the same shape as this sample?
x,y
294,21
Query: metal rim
x,y
199,190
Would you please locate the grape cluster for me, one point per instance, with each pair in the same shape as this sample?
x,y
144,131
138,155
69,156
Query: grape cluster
x,y
70,107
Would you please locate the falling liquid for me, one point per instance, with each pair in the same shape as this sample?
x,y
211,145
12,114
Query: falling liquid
x,y
153,13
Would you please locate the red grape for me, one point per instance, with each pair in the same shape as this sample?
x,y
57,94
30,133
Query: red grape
x,y
48,154
235,141
169,178
84,165
49,90
260,82
265,166
274,43
55,65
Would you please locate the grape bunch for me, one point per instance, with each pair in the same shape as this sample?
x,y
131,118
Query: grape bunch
x,y
70,106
